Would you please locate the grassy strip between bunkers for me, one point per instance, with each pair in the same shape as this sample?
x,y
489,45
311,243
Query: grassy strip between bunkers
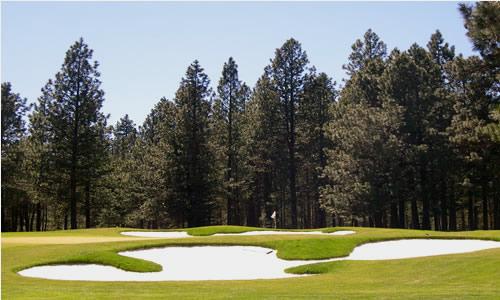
x,y
462,276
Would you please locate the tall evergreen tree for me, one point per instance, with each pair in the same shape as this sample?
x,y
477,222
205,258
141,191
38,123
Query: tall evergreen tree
x,y
442,173
194,158
288,67
124,136
482,23
412,80
363,165
44,186
155,170
119,182
266,139
228,119
14,108
371,48
365,67
75,117
314,115
472,104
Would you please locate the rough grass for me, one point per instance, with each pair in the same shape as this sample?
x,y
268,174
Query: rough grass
x,y
473,275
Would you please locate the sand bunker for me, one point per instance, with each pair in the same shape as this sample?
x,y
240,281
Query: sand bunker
x,y
183,234
158,234
243,262
182,263
417,248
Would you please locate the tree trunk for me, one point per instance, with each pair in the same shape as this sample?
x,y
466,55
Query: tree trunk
x,y
65,221
87,205
293,190
437,223
496,212
470,209
378,219
444,206
72,200
45,217
21,219
402,213
38,216
414,214
4,214
485,205
464,223
426,220
394,215
453,208
292,167
32,219
415,223
320,217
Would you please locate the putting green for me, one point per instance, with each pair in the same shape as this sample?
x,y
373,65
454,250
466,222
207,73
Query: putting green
x,y
472,275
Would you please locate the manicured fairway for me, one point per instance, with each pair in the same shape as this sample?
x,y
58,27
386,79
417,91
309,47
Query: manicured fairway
x,y
461,276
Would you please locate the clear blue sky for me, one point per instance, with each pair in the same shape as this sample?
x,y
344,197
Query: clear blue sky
x,y
145,48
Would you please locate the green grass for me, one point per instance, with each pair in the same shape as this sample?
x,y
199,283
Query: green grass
x,y
464,276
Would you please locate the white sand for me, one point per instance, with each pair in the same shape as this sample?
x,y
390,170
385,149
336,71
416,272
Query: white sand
x,y
183,234
243,262
158,234
417,248
342,232
181,263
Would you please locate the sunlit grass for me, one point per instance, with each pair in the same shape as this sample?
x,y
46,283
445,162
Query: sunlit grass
x,y
472,275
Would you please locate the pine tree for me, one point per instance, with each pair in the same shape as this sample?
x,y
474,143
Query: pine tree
x,y
229,108
441,52
75,118
288,68
265,159
363,165
14,108
442,172
314,114
476,150
194,158
371,48
118,182
482,23
412,80
366,66
38,145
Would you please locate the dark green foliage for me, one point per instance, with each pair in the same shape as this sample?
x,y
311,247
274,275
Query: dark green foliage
x,y
13,109
319,95
76,123
366,65
193,158
371,48
475,149
265,160
287,69
363,169
228,119
411,140
13,129
482,22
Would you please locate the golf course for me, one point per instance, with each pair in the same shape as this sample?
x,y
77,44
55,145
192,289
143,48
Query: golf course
x,y
250,150
473,275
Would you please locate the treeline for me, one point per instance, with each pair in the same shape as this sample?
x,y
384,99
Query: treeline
x,y
411,140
